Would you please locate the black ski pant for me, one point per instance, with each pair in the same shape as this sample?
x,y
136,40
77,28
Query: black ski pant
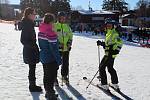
x,y
108,62
31,74
65,63
50,71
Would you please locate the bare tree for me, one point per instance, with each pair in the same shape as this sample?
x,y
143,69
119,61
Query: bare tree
x,y
5,10
143,12
143,7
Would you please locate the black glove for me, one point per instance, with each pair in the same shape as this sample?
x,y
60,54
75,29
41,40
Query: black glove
x,y
69,45
61,46
101,43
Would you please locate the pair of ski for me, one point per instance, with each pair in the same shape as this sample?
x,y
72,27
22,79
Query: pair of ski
x,y
108,92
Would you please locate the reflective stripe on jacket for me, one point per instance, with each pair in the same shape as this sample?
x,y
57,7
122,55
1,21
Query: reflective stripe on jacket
x,y
112,42
64,36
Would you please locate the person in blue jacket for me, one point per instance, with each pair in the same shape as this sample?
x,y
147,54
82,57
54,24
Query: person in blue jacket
x,y
30,48
49,54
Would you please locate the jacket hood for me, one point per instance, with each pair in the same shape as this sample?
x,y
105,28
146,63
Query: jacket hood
x,y
47,31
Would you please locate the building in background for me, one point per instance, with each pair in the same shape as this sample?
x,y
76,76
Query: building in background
x,y
9,11
128,19
98,16
91,20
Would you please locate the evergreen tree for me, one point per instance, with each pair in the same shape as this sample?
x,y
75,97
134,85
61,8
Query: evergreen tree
x,y
119,5
25,3
143,7
44,6
31,3
60,5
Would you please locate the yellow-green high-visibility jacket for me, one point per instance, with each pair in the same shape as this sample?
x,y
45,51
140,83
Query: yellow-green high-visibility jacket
x,y
65,36
112,41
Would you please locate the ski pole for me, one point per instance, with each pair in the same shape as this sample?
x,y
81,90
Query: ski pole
x,y
61,66
98,69
68,68
92,80
99,55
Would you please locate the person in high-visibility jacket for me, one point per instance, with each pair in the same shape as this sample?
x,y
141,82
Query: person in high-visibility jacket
x,y
65,37
112,46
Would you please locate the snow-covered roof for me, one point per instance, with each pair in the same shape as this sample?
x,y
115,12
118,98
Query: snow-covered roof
x,y
128,16
129,27
86,12
125,15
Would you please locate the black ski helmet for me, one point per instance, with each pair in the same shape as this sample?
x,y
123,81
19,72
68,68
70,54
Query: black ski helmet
x,y
62,13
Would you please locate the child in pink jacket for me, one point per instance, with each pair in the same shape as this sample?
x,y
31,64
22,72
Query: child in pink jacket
x,y
49,54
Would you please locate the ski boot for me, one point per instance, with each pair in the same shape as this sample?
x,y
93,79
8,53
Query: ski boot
x,y
56,82
115,86
65,79
104,87
51,96
99,78
34,88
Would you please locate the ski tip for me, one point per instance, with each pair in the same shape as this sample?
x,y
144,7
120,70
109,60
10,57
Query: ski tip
x,y
84,78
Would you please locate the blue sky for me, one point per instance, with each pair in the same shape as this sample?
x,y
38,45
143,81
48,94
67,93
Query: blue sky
x,y
95,4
